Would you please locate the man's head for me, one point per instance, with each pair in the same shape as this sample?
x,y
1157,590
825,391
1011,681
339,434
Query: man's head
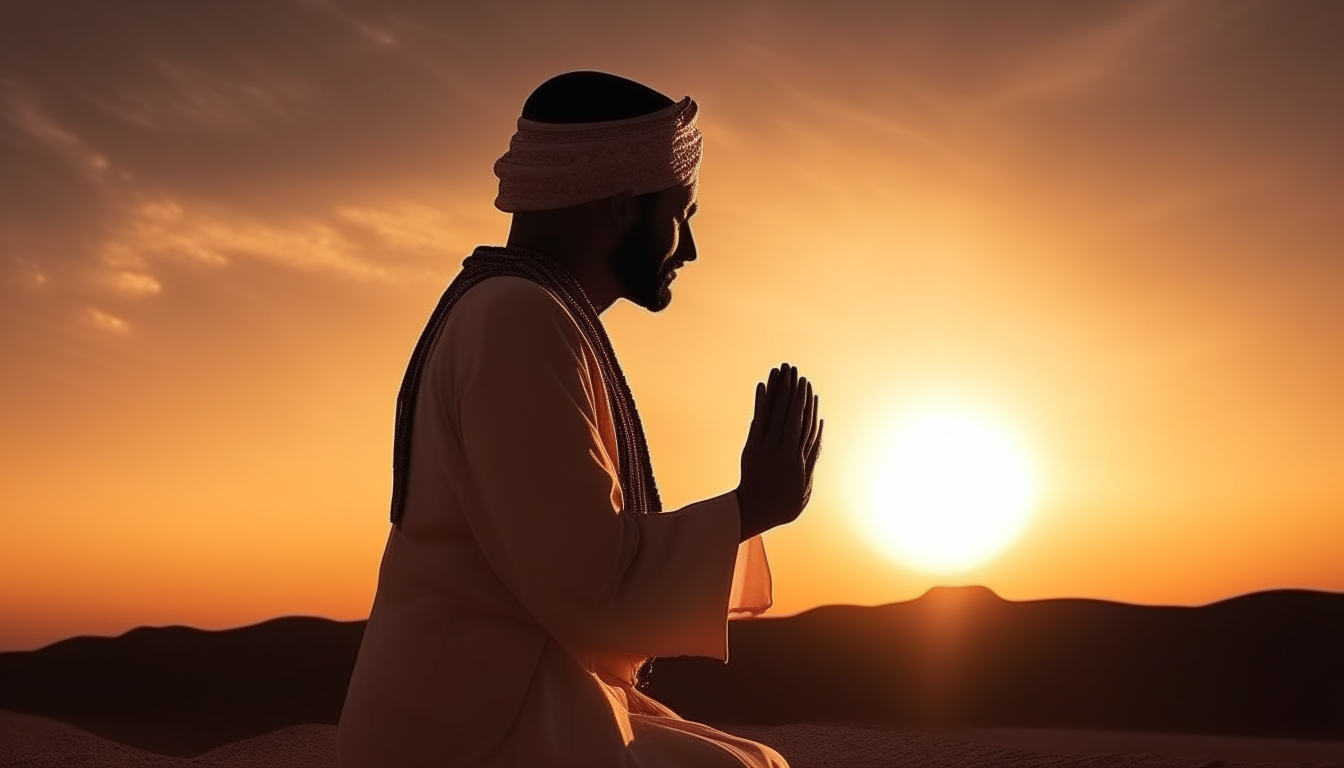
x,y
605,167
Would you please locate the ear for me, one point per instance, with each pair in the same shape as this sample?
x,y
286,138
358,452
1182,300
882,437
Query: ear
x,y
623,210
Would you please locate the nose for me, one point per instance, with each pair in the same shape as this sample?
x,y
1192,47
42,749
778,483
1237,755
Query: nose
x,y
686,250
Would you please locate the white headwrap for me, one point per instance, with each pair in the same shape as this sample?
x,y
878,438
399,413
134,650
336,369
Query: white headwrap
x,y
556,165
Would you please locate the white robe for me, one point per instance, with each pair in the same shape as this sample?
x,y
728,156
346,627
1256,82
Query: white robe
x,y
516,601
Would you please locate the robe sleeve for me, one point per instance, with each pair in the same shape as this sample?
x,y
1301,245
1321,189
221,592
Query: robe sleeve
x,y
753,588
545,507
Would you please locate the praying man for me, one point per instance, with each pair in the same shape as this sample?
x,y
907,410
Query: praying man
x,y
530,570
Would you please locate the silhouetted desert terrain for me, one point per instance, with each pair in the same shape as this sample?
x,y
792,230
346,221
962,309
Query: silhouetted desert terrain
x,y
183,691
1264,664
1267,664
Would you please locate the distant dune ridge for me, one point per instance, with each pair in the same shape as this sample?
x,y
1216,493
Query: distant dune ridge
x,y
1269,664
182,691
1264,664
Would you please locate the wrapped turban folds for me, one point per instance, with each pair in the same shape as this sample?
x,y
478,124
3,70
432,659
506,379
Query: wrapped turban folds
x,y
556,165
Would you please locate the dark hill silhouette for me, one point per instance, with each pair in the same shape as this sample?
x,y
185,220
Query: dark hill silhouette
x,y
1266,664
183,691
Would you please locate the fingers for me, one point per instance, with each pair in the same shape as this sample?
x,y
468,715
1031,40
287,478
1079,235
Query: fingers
x,y
783,379
810,421
790,409
807,415
799,397
797,404
814,450
787,410
767,410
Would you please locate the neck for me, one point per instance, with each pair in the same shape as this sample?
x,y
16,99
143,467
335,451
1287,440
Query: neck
x,y
582,253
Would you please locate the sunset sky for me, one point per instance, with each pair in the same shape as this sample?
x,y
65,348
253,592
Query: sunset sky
x,y
1115,229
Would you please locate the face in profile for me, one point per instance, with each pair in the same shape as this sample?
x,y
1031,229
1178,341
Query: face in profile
x,y
647,258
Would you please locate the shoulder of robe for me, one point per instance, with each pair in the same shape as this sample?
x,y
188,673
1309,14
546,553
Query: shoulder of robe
x,y
515,308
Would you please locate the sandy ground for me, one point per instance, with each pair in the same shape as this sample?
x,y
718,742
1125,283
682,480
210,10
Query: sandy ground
x,y
36,742
813,745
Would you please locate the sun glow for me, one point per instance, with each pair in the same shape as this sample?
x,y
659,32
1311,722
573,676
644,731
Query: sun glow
x,y
948,492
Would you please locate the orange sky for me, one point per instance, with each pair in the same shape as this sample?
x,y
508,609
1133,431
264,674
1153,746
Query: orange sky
x,y
1114,226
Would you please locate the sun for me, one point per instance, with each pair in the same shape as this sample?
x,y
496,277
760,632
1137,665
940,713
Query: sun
x,y
950,491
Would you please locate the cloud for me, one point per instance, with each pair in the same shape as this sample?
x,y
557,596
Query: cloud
x,y
410,228
27,118
165,230
187,96
1113,44
136,284
325,138
106,321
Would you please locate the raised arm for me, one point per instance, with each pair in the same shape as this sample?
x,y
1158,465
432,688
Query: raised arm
x,y
545,501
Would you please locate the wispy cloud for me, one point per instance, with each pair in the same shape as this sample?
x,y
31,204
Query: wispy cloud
x,y
166,230
187,96
135,284
1099,51
106,321
27,118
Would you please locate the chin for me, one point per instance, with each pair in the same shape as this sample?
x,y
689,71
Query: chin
x,y
654,298
658,301
651,291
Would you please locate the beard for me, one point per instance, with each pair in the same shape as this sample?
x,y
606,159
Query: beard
x,y
644,272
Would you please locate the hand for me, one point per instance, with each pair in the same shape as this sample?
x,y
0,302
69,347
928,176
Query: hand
x,y
780,454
